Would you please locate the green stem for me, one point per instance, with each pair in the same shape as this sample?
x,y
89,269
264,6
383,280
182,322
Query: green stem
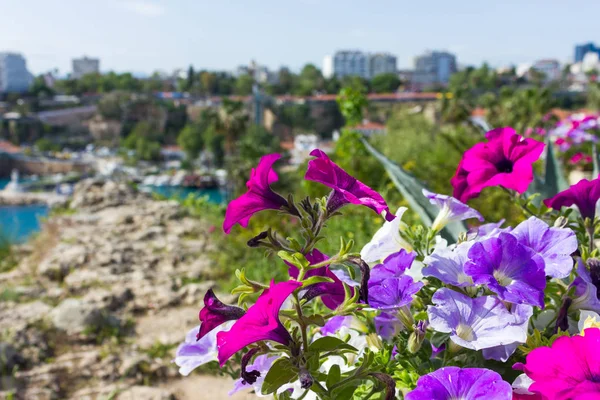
x,y
301,322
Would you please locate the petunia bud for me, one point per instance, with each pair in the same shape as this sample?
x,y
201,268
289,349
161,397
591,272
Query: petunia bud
x,y
405,316
390,384
249,377
416,338
305,378
255,241
561,222
562,320
374,341
594,265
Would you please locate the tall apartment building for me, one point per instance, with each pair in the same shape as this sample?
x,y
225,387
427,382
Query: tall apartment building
x,y
84,66
582,49
357,63
351,63
434,67
382,63
14,76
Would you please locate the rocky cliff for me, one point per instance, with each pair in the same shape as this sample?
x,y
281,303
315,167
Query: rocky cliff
x,y
101,298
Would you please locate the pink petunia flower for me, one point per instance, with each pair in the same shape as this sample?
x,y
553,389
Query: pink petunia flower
x,y
258,197
584,194
505,160
261,322
569,369
563,144
346,188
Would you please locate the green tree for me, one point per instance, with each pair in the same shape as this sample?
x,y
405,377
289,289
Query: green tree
x,y
309,81
191,78
385,83
191,141
45,145
231,121
243,85
352,102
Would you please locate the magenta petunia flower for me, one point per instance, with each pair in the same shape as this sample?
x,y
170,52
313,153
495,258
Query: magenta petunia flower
x,y
216,313
569,369
332,293
261,322
584,194
258,197
451,383
346,189
505,160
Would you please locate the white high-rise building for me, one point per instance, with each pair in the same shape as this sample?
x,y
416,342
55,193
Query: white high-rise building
x,y
328,66
84,66
14,76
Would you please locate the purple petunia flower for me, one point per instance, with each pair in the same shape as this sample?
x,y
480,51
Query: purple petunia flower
x,y
476,324
451,210
513,271
587,292
216,313
262,364
448,265
392,267
393,293
346,189
554,245
522,313
192,352
387,326
584,194
485,231
451,383
505,160
261,322
258,197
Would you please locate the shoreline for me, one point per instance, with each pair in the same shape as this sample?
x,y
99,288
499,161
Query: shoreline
x,y
27,199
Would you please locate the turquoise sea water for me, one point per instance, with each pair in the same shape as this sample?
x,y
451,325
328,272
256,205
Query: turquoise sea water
x,y
180,192
18,223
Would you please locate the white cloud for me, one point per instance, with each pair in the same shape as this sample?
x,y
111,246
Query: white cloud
x,y
144,8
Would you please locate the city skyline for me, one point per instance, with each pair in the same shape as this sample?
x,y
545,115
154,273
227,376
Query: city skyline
x,y
142,36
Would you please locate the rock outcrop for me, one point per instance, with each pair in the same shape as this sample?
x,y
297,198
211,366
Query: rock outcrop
x,y
97,307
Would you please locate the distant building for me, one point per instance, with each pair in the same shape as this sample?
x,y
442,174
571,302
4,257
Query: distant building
x,y
357,63
550,68
382,63
84,66
14,76
328,71
351,63
434,67
582,49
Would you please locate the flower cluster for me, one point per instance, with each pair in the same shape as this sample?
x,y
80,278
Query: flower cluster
x,y
413,315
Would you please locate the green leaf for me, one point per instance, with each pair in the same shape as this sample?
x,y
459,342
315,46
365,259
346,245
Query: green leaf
x,y
314,320
596,160
334,375
315,279
412,190
296,259
554,179
329,343
438,338
281,372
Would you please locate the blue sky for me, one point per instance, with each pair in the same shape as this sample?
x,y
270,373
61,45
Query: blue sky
x,y
148,35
